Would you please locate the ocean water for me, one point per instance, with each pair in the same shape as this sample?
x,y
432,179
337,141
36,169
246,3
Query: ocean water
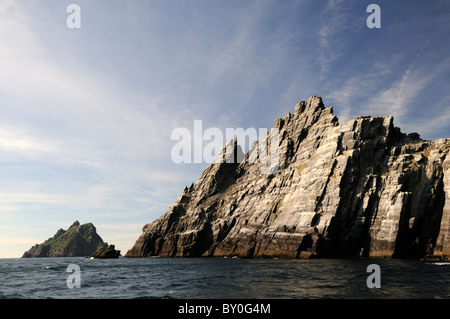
x,y
210,278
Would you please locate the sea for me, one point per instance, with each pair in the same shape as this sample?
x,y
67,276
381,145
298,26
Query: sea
x,y
224,278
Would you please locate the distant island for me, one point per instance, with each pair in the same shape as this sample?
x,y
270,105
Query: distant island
x,y
77,241
359,188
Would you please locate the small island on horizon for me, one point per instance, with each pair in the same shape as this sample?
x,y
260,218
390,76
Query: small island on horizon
x,y
79,240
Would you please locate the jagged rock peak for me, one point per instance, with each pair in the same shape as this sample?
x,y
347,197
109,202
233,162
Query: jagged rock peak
x,y
75,224
358,188
312,104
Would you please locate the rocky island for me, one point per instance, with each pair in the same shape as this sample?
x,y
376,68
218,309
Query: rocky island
x,y
108,253
358,188
77,240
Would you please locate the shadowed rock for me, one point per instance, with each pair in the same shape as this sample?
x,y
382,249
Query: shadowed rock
x,y
109,252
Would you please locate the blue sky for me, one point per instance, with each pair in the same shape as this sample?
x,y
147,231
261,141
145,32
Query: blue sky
x,y
86,114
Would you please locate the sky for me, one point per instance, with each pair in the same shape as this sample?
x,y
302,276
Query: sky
x,y
86,114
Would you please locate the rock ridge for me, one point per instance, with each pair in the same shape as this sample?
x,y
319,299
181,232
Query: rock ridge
x,y
358,188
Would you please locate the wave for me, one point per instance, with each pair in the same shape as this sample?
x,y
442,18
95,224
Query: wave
x,y
155,297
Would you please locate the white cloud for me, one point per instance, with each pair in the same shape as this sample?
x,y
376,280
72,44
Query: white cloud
x,y
16,143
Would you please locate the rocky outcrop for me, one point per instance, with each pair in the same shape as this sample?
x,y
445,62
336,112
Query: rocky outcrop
x,y
359,188
109,252
77,240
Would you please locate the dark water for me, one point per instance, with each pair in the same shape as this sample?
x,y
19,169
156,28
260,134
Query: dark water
x,y
221,278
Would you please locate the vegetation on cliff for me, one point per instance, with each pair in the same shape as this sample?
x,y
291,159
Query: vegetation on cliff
x,y
78,240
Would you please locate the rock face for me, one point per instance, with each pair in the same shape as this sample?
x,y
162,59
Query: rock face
x,y
109,252
359,188
78,240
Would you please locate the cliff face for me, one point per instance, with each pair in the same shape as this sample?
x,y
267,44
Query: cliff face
x,y
360,188
78,240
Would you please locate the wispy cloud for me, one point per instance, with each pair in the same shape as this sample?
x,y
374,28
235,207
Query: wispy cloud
x,y
238,54
14,141
351,93
404,94
433,125
336,26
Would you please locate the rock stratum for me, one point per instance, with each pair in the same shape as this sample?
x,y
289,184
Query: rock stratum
x,y
359,188
78,240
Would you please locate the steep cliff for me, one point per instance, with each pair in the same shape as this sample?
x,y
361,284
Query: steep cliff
x,y
78,240
359,188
